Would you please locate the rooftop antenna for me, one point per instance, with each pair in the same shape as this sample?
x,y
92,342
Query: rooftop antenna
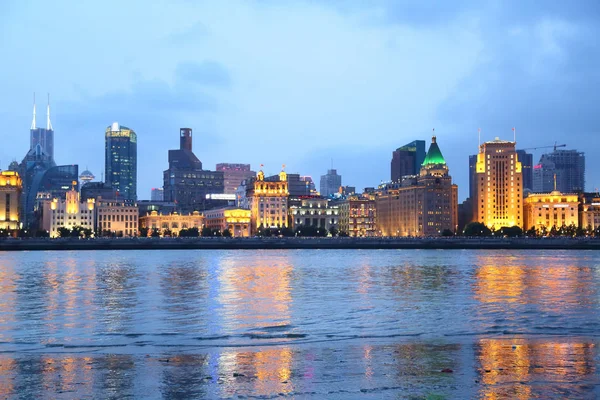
x,y
48,123
479,135
33,122
514,135
555,182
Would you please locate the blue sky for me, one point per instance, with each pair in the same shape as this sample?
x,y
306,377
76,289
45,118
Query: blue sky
x,y
301,83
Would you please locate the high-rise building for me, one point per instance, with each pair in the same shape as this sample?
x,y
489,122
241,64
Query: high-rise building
x,y
43,137
268,200
330,183
120,160
10,199
472,175
569,167
498,201
407,160
526,160
233,175
426,205
98,190
310,185
185,182
157,194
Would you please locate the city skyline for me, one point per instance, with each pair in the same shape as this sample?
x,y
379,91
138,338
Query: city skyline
x,y
468,68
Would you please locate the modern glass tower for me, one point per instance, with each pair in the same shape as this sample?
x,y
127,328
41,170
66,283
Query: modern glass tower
x,y
120,161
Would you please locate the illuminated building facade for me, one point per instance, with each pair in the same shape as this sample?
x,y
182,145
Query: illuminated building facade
x,y
233,175
589,210
498,200
407,160
358,217
268,201
10,199
68,213
423,205
317,212
236,220
171,222
185,182
543,211
120,160
330,183
116,218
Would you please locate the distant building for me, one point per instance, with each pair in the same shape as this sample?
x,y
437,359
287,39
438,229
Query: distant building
x,y
542,211
310,185
567,165
526,160
233,175
171,223
236,220
423,205
407,160
120,160
498,200
96,190
85,177
185,182
330,183
589,211
11,186
68,213
268,201
358,217
161,207
347,190
297,186
316,212
472,176
42,137
157,194
116,218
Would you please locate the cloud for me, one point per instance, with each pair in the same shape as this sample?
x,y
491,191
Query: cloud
x,y
210,73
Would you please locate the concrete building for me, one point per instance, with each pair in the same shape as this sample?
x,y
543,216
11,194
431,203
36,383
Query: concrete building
x,y
407,160
589,211
268,201
498,200
317,212
233,175
116,218
567,165
11,187
358,217
422,205
330,183
172,223
157,194
185,182
543,211
120,160
68,213
95,190
236,220
526,160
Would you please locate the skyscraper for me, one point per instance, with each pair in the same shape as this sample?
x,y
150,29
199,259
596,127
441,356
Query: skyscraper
x,y
233,175
498,200
407,160
185,182
44,137
569,167
526,160
120,160
330,183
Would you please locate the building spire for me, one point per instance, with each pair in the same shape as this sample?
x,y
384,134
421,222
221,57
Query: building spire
x,y
48,123
33,122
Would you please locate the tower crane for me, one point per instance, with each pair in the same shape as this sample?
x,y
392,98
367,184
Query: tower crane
x,y
555,146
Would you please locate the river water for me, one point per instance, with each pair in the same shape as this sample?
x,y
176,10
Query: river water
x,y
300,324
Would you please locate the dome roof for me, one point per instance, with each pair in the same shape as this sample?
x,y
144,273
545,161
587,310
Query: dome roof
x,y
86,175
434,155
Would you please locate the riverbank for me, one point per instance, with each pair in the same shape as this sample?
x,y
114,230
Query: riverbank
x,y
257,243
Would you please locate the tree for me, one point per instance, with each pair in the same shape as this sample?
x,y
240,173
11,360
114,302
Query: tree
x,y
227,233
193,232
447,232
206,231
42,234
155,233
532,232
343,234
216,232
144,231
63,232
512,231
477,229
167,232
333,231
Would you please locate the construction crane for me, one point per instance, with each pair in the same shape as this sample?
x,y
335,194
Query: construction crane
x,y
555,146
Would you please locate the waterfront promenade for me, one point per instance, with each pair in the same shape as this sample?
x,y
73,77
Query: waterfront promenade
x,y
276,243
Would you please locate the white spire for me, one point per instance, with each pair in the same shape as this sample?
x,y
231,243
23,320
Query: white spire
x,y
48,123
33,122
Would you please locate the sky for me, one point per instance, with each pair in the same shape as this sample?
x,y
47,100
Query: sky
x,y
305,83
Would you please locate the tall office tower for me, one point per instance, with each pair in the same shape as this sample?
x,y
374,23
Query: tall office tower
x,y
44,137
472,175
569,167
330,183
120,160
233,175
157,194
185,182
526,160
498,199
10,197
407,160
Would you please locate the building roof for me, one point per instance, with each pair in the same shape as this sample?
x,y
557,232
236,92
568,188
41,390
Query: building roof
x,y
434,155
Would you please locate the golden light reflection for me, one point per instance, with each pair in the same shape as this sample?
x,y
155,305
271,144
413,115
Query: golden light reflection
x,y
7,371
8,299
